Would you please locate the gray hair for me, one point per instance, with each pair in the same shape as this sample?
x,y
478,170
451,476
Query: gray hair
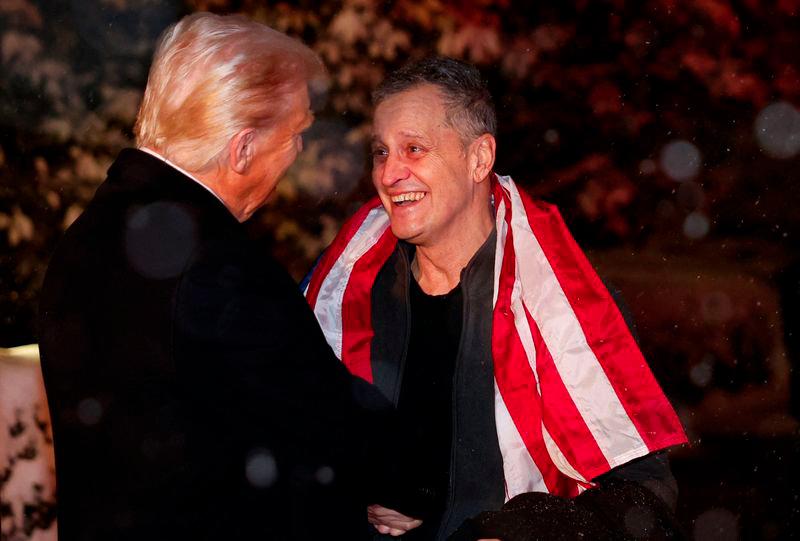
x,y
468,105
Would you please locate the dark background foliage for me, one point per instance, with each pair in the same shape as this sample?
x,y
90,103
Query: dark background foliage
x,y
667,131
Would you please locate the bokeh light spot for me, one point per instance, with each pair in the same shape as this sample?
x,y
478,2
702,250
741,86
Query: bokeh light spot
x,y
777,130
696,226
159,238
702,372
718,524
680,160
261,469
325,475
90,411
647,167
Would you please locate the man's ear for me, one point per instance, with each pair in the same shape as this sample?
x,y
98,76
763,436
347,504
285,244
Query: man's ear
x,y
241,150
482,152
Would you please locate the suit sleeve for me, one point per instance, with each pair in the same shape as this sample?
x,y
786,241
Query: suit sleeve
x,y
243,329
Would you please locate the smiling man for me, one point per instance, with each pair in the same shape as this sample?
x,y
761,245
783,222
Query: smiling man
x,y
474,312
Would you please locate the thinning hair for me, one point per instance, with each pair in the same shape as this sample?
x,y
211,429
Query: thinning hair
x,y
468,104
213,76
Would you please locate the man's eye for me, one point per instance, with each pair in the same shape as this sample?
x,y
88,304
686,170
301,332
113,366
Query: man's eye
x,y
414,149
378,152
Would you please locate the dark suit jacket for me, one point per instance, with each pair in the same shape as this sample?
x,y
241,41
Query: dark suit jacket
x,y
191,391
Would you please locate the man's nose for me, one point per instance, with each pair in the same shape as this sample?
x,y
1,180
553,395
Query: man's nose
x,y
393,170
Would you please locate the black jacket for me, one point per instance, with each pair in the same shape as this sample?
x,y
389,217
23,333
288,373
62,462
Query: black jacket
x,y
476,465
476,485
191,392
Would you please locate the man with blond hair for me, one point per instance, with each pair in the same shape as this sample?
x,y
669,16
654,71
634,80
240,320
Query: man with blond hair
x,y
192,393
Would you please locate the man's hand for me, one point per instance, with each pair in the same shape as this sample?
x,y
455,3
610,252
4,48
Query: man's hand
x,y
388,521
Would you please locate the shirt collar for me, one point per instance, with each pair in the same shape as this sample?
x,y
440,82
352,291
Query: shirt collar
x,y
182,170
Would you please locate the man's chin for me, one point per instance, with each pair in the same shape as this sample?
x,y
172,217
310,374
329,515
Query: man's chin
x,y
407,234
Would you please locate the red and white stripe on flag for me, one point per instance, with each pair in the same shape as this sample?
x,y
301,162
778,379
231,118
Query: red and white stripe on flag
x,y
574,396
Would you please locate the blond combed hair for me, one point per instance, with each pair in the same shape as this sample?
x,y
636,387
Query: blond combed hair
x,y
213,76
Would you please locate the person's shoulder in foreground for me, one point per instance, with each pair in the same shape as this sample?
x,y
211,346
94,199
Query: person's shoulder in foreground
x,y
541,392
192,394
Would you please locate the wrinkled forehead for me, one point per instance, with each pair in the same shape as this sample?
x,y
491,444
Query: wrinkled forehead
x,y
419,109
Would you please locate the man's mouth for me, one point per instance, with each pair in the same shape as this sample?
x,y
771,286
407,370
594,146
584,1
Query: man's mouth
x,y
407,197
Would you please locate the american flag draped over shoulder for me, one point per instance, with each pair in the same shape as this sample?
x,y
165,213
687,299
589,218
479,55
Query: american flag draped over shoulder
x,y
574,396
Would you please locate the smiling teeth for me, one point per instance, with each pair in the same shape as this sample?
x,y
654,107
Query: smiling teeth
x,y
408,196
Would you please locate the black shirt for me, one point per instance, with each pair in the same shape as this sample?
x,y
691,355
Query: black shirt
x,y
426,393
